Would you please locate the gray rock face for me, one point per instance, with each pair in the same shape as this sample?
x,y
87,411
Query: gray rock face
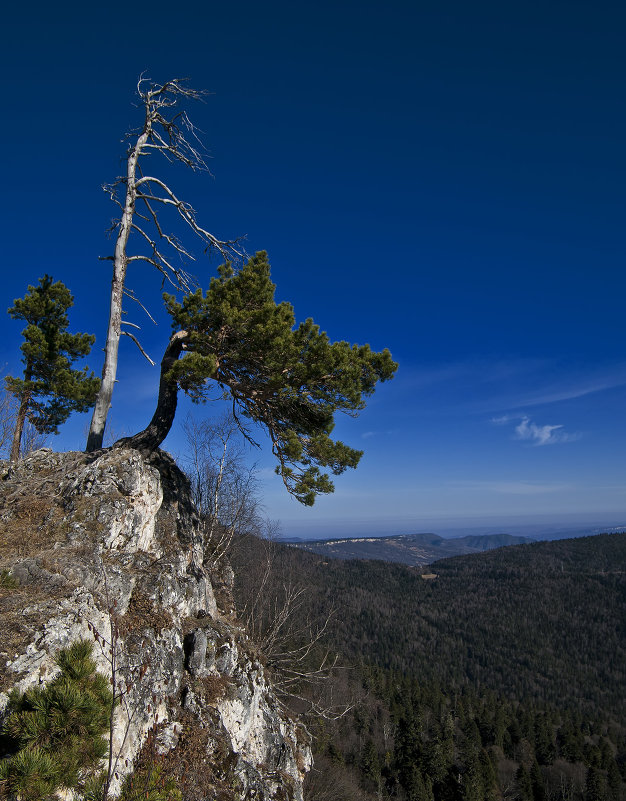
x,y
109,549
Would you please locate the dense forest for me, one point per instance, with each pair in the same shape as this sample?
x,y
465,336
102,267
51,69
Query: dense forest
x,y
499,676
543,621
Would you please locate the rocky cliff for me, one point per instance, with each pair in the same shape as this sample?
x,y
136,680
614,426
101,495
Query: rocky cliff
x,y
109,548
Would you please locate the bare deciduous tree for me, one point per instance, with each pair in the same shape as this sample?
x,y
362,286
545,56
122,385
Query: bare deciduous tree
x,y
141,198
223,485
274,604
272,598
31,438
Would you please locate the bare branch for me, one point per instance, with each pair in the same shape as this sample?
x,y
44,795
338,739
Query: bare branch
x,y
187,213
130,294
177,278
136,341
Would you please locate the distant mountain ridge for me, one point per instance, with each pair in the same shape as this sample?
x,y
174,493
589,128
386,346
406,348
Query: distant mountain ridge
x,y
408,549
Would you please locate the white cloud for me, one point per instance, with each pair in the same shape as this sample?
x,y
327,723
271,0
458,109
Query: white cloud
x,y
538,435
369,434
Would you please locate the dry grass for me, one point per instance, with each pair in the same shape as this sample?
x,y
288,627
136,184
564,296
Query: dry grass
x,y
30,525
27,526
143,614
19,627
211,689
201,769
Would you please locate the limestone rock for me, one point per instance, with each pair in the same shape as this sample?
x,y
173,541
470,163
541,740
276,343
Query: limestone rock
x,y
107,547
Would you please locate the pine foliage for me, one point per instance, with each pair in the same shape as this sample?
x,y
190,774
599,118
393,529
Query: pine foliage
x,y
54,735
51,389
150,784
290,379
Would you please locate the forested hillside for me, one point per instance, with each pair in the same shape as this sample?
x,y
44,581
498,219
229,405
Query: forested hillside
x,y
543,621
408,549
501,677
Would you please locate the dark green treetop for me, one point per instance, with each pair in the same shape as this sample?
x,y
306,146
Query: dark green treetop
x,y
50,389
290,379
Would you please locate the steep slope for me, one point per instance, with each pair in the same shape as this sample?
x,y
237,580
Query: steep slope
x,y
109,548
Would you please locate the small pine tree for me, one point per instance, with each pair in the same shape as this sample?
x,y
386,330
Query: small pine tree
x,y
50,389
595,787
490,780
369,765
536,778
524,784
150,784
614,781
54,735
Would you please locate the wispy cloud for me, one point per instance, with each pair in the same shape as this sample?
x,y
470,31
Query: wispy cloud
x,y
575,389
519,487
370,434
484,385
538,435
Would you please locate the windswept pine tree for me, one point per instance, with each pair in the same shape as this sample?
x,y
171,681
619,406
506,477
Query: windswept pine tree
x,y
291,380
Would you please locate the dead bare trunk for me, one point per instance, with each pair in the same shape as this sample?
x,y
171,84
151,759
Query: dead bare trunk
x,y
163,132
148,440
120,264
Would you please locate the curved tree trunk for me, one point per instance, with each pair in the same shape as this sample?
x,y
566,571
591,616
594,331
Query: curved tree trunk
x,y
159,427
16,445
20,420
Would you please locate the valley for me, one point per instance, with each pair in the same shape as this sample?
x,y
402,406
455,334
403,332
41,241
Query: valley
x,y
408,549
501,678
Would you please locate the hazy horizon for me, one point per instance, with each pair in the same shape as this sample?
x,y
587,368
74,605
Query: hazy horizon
x,y
532,526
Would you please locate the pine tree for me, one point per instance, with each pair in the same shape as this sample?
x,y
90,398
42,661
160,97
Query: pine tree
x,y
613,781
369,765
50,389
524,784
545,750
536,778
291,380
490,780
54,735
408,752
472,786
594,787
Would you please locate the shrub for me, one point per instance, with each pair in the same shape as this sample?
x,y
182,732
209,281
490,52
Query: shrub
x,y
149,784
54,735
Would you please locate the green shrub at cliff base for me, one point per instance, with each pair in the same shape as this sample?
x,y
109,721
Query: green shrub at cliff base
x,y
53,736
149,784
7,581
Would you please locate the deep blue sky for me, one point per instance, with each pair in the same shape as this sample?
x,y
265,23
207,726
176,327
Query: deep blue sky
x,y
446,180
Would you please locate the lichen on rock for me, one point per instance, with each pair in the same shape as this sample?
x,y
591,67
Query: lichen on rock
x,y
108,547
